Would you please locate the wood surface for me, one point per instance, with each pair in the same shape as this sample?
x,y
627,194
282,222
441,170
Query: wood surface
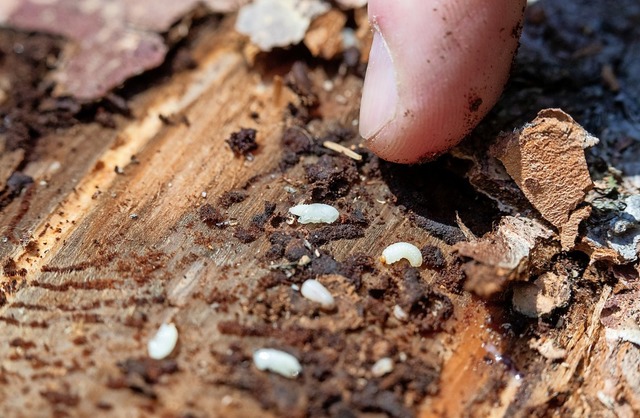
x,y
102,259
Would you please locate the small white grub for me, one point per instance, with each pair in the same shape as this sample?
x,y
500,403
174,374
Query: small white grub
x,y
295,287
315,213
400,313
316,292
334,146
396,252
163,342
382,367
277,361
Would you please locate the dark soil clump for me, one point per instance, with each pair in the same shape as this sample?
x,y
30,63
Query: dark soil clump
x,y
331,177
243,142
211,216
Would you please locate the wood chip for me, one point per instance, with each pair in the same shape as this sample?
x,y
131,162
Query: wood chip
x,y
505,254
324,37
546,294
609,78
333,146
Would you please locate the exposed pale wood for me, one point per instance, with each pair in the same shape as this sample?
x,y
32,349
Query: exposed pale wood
x,y
81,220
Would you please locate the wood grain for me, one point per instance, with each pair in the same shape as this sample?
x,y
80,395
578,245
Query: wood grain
x,y
105,258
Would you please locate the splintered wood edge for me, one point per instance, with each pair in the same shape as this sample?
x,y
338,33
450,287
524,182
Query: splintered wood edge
x,y
133,138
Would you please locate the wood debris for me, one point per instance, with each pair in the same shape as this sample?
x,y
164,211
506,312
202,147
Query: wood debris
x,y
503,255
621,313
334,146
278,23
616,237
546,160
324,37
546,294
631,335
609,78
108,45
621,320
548,349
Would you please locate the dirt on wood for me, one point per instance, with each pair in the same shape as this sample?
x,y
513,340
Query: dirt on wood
x,y
134,210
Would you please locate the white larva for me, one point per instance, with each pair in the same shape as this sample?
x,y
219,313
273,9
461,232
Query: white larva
x,y
382,367
400,313
163,342
315,213
277,361
316,292
396,252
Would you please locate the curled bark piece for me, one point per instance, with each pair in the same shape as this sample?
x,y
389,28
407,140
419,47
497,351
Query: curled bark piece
x,y
109,42
546,160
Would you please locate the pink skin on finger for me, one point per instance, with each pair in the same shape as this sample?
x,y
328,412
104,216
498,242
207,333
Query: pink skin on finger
x,y
436,68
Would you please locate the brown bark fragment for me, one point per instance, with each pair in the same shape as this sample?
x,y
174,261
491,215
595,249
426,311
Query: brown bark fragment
x,y
110,42
546,160
569,231
501,255
324,36
105,48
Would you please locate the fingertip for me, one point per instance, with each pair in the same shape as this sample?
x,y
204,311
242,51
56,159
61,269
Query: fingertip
x,y
450,61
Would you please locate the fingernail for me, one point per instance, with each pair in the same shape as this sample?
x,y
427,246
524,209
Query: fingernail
x,y
380,91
